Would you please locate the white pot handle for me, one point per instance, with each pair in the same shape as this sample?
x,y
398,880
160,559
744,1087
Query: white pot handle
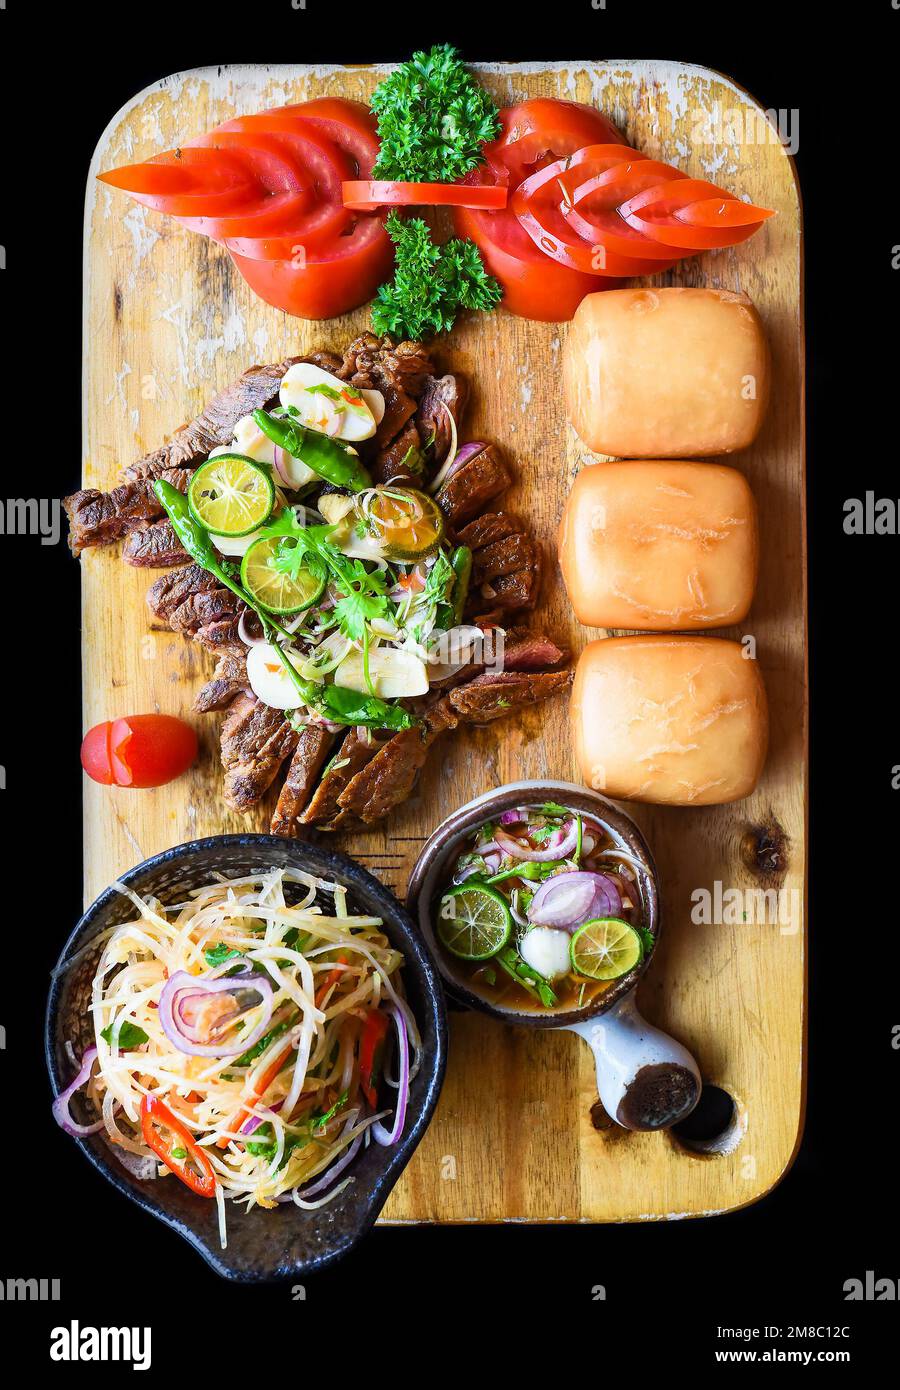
x,y
646,1079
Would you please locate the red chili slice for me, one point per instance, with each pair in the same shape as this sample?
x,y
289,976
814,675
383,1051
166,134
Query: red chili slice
x,y
654,213
157,1117
365,195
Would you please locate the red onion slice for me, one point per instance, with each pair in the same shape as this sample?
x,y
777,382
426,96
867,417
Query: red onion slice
x,y
248,638
560,845
61,1112
568,899
379,1133
335,1170
563,900
175,1020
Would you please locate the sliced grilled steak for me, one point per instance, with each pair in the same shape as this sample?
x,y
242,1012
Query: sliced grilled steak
x,y
468,491
431,417
229,681
489,528
97,518
253,390
194,603
255,741
400,460
309,755
503,557
391,775
531,651
154,547
510,592
372,362
492,695
358,747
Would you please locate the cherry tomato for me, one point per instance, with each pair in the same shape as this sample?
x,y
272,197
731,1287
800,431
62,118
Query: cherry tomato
x,y
141,750
328,281
365,195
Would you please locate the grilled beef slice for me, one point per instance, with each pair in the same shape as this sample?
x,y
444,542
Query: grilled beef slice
x,y
495,694
432,421
468,491
97,518
154,547
388,779
503,557
306,764
401,460
489,528
229,680
194,603
255,740
191,444
358,747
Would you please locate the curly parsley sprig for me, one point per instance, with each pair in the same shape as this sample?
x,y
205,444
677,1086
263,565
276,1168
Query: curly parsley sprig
x,y
431,283
433,119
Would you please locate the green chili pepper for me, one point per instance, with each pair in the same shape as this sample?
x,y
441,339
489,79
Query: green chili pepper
x,y
461,564
324,456
196,541
529,870
344,706
514,965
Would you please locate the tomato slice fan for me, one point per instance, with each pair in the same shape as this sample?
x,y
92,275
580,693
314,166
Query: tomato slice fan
x,y
656,213
365,195
584,248
539,131
269,188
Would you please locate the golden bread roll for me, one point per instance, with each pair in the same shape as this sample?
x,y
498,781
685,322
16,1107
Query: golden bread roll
x,y
666,373
678,720
659,545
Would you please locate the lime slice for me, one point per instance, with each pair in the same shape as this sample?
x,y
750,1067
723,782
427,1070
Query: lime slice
x,y
408,524
605,948
274,589
474,921
231,495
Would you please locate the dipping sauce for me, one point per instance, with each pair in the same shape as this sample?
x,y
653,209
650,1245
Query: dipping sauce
x,y
543,910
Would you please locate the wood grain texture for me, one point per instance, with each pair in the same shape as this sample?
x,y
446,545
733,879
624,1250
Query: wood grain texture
x,y
166,324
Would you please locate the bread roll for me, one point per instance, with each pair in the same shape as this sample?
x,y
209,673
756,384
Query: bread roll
x,y
678,720
666,373
659,546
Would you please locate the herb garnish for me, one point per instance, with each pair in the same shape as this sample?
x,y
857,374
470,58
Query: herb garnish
x,y
431,283
433,118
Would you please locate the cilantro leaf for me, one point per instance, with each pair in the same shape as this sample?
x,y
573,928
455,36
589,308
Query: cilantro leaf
x,y
431,283
433,118
364,598
128,1035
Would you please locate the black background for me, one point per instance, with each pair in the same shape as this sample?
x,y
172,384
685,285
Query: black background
x,y
67,70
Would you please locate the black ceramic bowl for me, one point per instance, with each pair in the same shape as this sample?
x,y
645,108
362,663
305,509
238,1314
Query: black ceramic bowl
x,y
287,1242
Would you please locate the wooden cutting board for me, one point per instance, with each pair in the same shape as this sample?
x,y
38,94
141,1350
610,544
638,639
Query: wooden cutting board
x,y
167,323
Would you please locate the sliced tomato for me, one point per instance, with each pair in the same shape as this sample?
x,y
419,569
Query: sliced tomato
x,y
591,202
349,125
187,182
141,750
544,221
328,281
656,214
365,195
534,286
539,131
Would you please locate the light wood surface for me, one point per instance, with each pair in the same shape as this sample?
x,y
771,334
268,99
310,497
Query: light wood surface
x,y
166,324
